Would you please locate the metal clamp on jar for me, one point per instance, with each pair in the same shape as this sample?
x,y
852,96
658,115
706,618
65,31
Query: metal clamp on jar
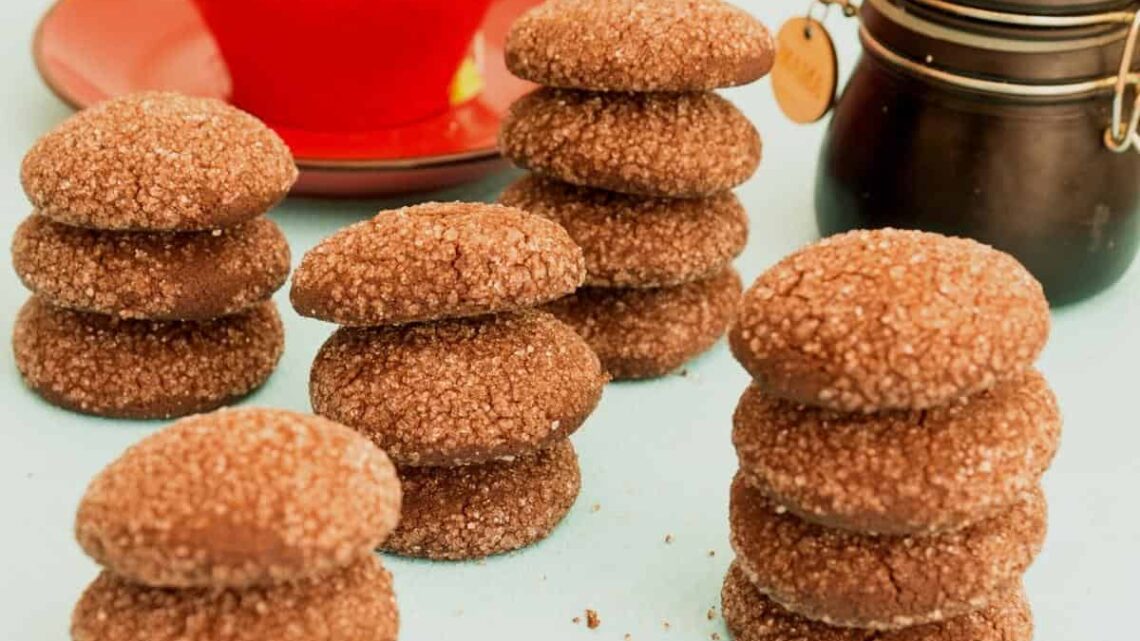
x,y
1013,122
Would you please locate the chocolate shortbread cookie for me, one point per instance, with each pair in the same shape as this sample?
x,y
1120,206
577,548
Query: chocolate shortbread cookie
x,y
158,276
646,333
158,161
630,241
881,582
102,365
633,45
673,145
900,472
889,319
436,261
239,498
470,512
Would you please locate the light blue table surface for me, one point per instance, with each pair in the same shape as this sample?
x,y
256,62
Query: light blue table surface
x,y
656,457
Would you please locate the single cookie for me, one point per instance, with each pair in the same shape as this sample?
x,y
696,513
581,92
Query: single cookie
x,y
646,333
888,319
751,616
159,162
899,472
354,604
105,366
159,276
639,242
673,145
239,498
461,391
470,512
631,45
435,261
881,582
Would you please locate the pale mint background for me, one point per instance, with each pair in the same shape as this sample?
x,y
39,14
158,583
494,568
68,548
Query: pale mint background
x,y
656,457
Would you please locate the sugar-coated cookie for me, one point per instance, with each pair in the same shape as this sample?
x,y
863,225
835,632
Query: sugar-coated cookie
x,y
751,616
881,582
460,391
901,472
436,261
890,319
354,604
470,512
673,145
101,365
159,276
634,45
631,241
646,333
158,161
239,498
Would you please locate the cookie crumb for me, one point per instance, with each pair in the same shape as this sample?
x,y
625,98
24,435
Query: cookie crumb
x,y
666,625
712,553
576,620
715,636
592,620
668,539
711,614
627,636
595,508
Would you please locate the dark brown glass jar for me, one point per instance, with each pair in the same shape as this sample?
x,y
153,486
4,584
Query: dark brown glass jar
x,y
992,130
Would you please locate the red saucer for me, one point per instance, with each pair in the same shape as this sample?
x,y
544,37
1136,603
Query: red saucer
x,y
88,50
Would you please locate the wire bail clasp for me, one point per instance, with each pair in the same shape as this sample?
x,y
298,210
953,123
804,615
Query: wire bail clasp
x,y
1122,135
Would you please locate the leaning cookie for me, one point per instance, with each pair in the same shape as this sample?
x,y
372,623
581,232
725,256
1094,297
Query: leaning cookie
x,y
470,512
461,391
436,261
646,333
354,604
631,45
900,472
240,498
158,161
881,582
100,365
890,319
630,241
158,276
674,145
751,616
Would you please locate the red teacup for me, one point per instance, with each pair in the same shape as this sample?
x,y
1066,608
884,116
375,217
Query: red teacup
x,y
342,64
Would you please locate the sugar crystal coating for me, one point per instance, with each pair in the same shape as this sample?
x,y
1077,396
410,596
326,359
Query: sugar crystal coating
x,y
354,604
158,161
239,498
673,145
630,241
901,472
459,391
646,333
881,582
105,366
890,319
751,616
634,45
158,276
435,261
470,512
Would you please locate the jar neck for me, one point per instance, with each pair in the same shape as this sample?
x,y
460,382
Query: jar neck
x,y
949,37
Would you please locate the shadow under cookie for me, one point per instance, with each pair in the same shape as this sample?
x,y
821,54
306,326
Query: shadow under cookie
x,y
471,512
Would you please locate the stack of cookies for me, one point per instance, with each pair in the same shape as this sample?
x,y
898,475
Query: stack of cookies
x,y
244,525
150,259
891,445
635,155
446,366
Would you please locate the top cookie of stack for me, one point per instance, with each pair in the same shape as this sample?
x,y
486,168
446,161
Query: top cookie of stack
x,y
149,207
634,154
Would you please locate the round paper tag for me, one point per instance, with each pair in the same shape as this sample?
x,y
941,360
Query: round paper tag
x,y
806,72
